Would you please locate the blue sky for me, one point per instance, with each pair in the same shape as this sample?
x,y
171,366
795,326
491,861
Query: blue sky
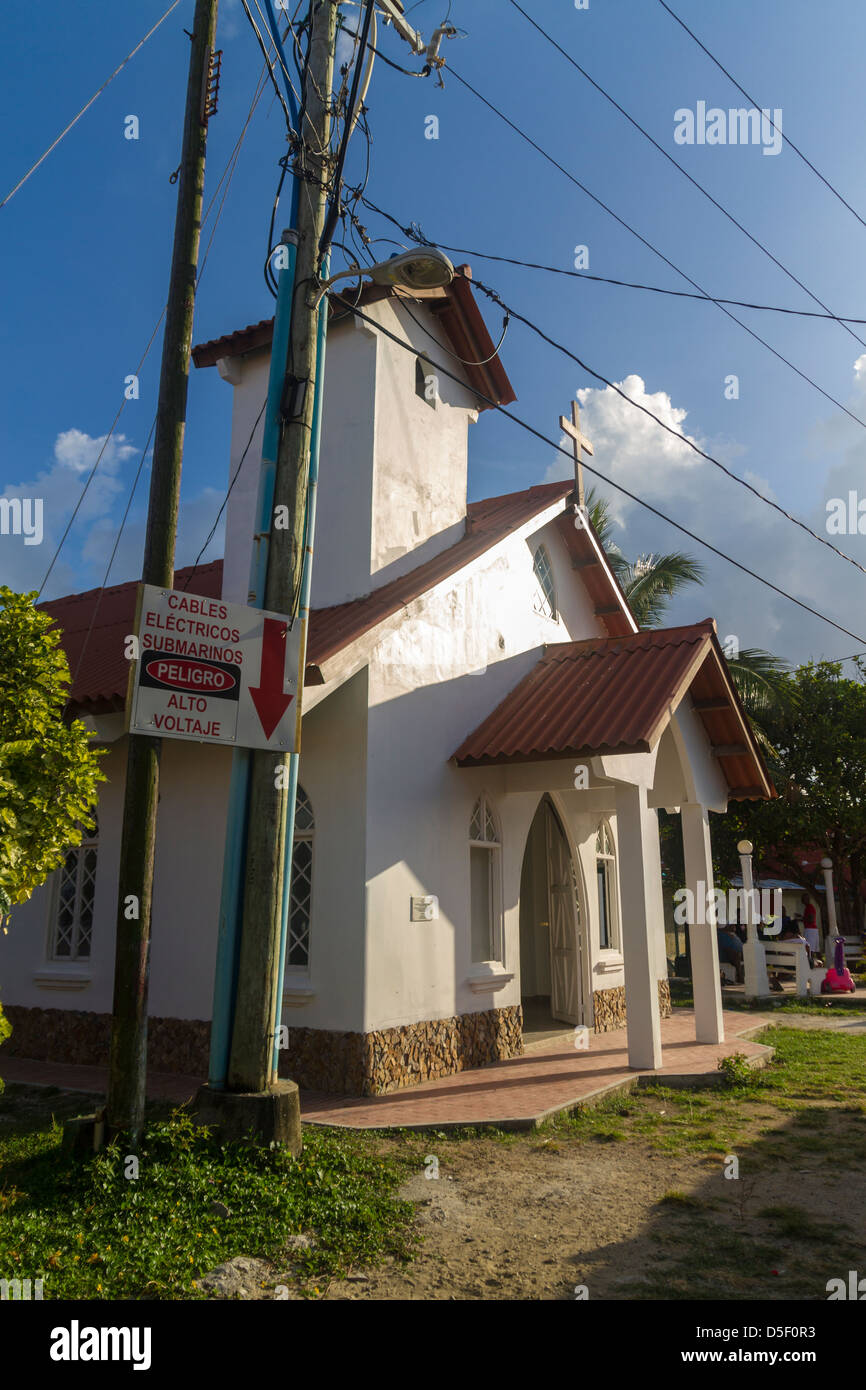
x,y
85,248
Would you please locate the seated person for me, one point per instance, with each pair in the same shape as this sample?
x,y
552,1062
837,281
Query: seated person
x,y
730,950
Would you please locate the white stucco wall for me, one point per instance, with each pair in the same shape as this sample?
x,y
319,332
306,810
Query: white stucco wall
x,y
25,950
392,474
332,772
421,460
432,681
194,786
190,830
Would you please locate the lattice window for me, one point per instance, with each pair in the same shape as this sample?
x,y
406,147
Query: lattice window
x,y
484,881
300,902
482,826
545,593
73,923
605,869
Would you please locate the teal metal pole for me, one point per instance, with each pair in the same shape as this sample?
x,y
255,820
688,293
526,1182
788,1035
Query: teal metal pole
x,y
231,898
304,616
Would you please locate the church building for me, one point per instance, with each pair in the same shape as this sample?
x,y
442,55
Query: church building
x,y
487,737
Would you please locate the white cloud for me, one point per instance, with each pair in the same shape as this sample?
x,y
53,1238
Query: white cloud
x,y
60,487
659,467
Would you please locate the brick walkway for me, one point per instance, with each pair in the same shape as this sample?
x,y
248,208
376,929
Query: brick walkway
x,y
552,1076
161,1085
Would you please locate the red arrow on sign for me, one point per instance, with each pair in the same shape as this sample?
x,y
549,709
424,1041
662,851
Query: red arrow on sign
x,y
268,696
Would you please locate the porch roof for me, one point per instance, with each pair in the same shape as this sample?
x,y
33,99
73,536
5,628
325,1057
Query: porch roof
x,y
608,695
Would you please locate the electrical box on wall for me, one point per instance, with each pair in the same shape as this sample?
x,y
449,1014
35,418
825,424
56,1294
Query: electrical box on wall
x,y
424,909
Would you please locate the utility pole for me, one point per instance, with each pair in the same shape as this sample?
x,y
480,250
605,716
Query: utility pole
x,y
128,1059
257,1002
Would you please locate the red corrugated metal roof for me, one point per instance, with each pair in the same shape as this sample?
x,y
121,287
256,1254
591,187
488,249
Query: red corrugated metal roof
x,y
487,522
456,309
100,684
612,695
108,616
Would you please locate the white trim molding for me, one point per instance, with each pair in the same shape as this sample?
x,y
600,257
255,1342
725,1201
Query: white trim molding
x,y
296,996
609,964
61,980
488,978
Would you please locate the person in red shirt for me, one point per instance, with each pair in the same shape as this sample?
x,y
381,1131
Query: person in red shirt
x,y
810,924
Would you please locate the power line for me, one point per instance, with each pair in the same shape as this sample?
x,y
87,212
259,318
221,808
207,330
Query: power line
x,y
560,347
622,222
224,502
414,232
75,119
351,115
249,14
768,501
675,162
465,362
102,586
545,439
752,102
229,169
92,472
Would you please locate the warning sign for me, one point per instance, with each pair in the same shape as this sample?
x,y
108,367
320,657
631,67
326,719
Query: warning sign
x,y
215,672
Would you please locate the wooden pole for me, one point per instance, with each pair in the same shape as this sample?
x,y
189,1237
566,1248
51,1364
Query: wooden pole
x,y
128,1056
257,1001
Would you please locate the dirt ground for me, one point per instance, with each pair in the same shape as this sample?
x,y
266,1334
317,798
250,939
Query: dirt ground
x,y
536,1217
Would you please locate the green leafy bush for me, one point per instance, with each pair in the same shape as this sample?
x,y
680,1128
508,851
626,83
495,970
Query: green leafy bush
x,y
736,1071
5,1030
49,772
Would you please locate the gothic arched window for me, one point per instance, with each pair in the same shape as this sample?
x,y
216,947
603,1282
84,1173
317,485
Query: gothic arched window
x,y
545,596
484,880
605,869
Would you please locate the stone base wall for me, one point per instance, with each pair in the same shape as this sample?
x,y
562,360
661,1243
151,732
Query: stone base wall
x,y
608,1007
665,1006
368,1064
374,1064
76,1035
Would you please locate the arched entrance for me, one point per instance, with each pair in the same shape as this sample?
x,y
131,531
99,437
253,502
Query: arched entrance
x,y
551,973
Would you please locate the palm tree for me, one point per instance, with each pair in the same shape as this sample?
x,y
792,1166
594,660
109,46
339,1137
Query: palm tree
x,y
650,582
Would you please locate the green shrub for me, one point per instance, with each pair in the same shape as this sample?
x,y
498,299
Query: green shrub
x,y
5,1030
736,1071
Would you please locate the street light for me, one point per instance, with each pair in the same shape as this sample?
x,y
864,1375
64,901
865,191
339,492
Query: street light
x,y
428,268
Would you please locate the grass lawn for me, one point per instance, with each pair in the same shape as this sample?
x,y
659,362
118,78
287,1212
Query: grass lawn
x,y
670,1227
682,997
92,1232
676,1222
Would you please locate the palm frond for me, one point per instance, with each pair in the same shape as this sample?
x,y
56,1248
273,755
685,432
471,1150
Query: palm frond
x,y
762,681
650,582
603,525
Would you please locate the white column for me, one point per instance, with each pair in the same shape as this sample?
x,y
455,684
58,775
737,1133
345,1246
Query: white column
x,y
641,985
754,960
697,851
832,928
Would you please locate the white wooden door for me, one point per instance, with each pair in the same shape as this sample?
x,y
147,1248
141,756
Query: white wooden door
x,y
565,991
